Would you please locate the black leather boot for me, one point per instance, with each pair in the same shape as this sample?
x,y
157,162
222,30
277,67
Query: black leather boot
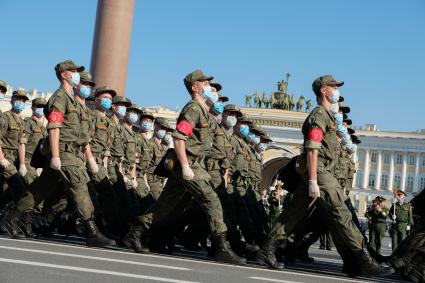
x,y
26,225
132,239
10,222
368,267
223,252
94,237
266,255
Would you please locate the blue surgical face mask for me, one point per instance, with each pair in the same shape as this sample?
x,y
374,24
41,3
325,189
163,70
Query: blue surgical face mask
x,y
262,147
209,96
75,79
121,110
230,121
339,118
253,138
133,117
39,112
19,106
244,130
219,117
160,134
167,139
84,92
341,129
351,148
147,126
105,103
335,96
346,139
218,107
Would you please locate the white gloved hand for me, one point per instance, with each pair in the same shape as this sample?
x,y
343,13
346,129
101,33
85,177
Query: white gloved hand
x,y
408,228
94,168
22,170
4,163
393,217
55,163
187,173
39,170
313,189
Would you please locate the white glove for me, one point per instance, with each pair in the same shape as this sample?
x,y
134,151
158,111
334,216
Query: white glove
x,y
94,168
4,163
408,228
393,217
313,189
39,170
22,170
55,163
187,173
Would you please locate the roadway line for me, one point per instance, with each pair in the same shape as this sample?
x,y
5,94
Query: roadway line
x,y
97,271
272,280
95,258
339,276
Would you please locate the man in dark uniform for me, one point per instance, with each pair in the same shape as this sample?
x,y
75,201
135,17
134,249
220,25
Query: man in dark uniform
x,y
402,219
377,215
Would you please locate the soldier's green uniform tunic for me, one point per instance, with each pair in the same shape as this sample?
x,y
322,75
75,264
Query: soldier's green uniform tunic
x,y
217,161
12,135
377,226
404,217
144,156
197,144
34,132
117,152
345,234
73,173
155,182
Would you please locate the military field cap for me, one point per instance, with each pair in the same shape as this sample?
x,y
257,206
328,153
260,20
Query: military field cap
x,y
380,199
20,93
3,85
147,114
243,119
256,129
343,108
400,193
105,89
348,121
121,100
197,76
351,131
135,108
86,77
266,137
67,65
164,123
344,117
326,80
234,109
39,101
355,139
222,98
215,85
341,99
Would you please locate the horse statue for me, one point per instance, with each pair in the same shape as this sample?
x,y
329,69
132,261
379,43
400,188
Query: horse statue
x,y
308,105
264,100
300,103
248,100
292,103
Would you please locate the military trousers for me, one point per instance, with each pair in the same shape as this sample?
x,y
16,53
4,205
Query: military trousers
x,y
14,185
398,234
376,233
173,194
74,180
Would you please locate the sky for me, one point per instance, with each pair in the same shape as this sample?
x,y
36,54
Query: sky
x,y
376,46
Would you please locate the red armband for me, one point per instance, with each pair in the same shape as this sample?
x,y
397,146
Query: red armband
x,y
55,117
185,128
315,135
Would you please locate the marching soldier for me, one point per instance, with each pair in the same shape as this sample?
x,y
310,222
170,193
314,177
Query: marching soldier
x,y
34,131
402,219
